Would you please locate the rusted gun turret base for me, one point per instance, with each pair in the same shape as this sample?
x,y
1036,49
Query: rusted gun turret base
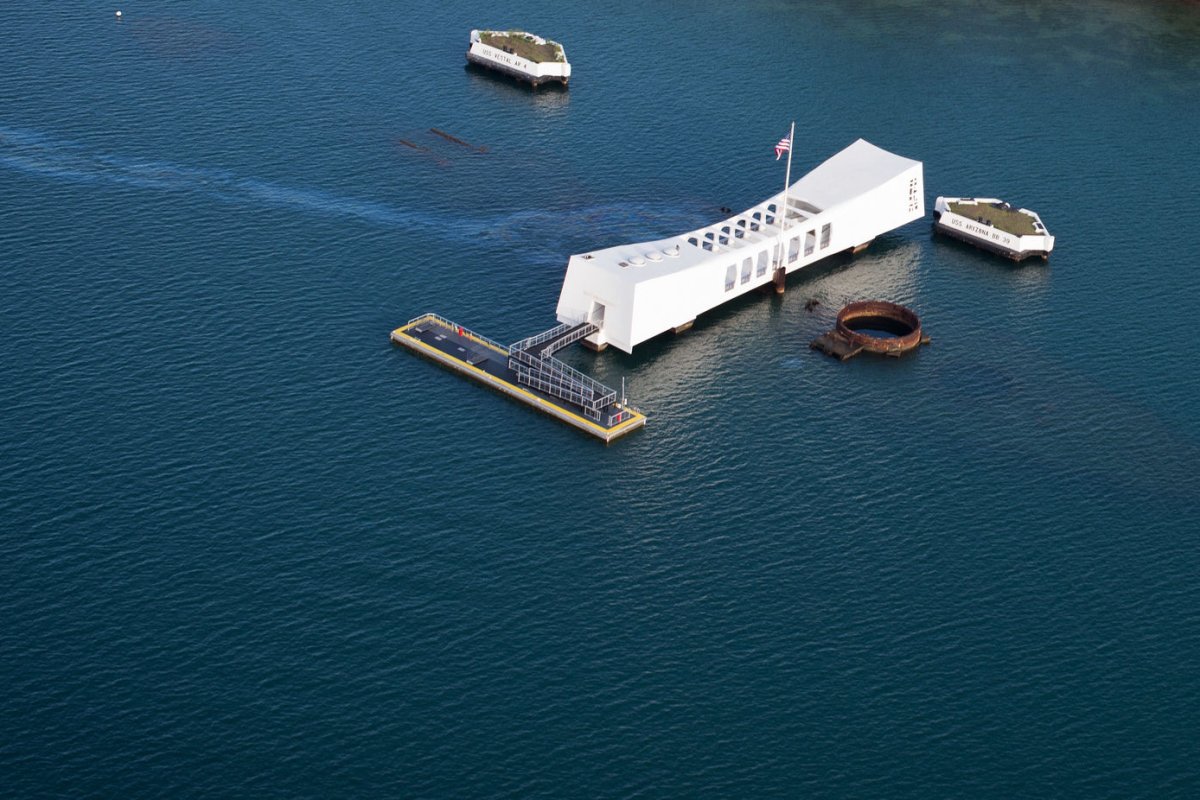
x,y
848,340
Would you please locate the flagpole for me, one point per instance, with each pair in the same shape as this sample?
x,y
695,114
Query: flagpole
x,y
787,178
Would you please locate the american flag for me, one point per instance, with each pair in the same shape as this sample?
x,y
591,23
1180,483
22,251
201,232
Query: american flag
x,y
784,146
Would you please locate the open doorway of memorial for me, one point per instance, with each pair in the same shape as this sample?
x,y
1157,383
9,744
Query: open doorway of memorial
x,y
596,315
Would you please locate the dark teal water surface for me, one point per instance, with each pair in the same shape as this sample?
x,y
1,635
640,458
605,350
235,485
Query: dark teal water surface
x,y
249,549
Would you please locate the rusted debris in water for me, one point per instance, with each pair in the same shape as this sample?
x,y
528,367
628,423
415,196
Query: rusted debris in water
x,y
425,151
812,304
900,326
452,138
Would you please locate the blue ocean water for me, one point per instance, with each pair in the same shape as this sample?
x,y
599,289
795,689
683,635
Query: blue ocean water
x,y
250,549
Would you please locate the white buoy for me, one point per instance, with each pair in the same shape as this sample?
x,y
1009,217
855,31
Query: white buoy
x,y
118,13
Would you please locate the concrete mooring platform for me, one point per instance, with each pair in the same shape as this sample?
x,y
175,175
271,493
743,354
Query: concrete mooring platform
x,y
525,371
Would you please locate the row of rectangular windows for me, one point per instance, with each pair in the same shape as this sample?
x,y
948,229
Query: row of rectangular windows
x,y
713,240
810,240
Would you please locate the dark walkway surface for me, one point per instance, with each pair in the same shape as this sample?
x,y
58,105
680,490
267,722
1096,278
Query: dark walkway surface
x,y
463,347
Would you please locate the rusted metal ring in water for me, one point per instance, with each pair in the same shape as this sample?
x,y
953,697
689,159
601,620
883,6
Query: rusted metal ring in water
x,y
880,315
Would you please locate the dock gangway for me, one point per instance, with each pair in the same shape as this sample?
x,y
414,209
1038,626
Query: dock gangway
x,y
532,360
558,337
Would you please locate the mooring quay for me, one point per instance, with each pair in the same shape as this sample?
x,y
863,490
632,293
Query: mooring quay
x,y
526,371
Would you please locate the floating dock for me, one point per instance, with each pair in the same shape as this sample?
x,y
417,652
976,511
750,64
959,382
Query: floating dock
x,y
526,371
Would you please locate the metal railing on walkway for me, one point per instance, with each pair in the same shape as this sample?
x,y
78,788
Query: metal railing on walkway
x,y
533,362
558,337
455,327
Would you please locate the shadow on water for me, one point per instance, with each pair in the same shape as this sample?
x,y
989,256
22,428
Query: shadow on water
x,y
547,96
673,357
1033,268
1122,447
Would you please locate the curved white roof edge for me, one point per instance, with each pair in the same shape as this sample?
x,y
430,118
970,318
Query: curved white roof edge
x,y
635,291
842,177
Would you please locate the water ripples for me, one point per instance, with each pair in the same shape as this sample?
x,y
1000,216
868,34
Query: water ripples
x,y
241,530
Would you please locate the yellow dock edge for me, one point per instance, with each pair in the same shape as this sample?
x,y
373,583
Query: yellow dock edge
x,y
401,337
